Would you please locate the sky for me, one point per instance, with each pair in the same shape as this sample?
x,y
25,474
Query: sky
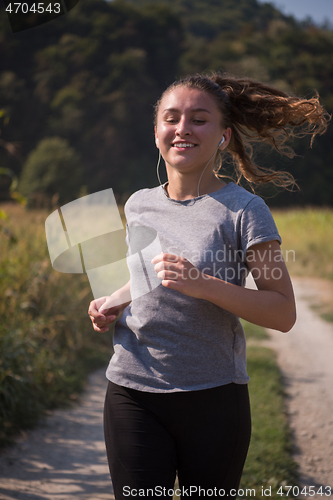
x,y
317,9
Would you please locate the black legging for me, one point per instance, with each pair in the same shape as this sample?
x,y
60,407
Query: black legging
x,y
202,435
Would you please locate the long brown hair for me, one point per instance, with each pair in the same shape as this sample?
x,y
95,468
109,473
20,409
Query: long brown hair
x,y
258,112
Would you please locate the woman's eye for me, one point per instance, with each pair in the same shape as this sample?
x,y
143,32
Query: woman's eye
x,y
175,120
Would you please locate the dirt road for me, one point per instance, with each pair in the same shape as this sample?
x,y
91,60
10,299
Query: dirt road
x,y
65,459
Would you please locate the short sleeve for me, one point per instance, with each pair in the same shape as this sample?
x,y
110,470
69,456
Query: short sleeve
x,y
257,224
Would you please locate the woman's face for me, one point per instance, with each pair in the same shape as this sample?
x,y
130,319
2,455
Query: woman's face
x,y
189,129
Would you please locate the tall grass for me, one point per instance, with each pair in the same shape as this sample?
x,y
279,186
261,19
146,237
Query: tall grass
x,y
47,344
309,233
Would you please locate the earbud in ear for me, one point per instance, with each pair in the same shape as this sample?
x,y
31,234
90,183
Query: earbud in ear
x,y
221,141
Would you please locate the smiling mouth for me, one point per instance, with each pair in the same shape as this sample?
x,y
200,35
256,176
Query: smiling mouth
x,y
184,145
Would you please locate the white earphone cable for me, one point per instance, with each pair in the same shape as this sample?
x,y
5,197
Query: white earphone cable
x,y
158,166
219,144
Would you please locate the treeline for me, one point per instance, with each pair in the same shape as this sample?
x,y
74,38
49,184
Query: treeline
x,y
77,94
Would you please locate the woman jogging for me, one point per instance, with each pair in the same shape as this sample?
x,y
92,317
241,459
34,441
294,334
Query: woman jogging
x,y
177,400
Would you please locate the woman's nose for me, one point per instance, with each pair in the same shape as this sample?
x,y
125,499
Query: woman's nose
x,y
183,127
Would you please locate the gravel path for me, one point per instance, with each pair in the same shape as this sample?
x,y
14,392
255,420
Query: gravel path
x,y
65,458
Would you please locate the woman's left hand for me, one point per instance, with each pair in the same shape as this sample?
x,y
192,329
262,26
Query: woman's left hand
x,y
179,274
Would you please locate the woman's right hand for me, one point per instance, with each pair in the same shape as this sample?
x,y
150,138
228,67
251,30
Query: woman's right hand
x,y
101,320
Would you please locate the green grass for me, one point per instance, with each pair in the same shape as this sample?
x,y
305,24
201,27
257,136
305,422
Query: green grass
x,y
307,240
327,315
307,245
269,463
47,343
254,332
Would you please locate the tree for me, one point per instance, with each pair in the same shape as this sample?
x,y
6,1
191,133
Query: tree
x,y
52,168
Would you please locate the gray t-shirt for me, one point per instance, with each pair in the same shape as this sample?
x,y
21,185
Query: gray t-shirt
x,y
166,341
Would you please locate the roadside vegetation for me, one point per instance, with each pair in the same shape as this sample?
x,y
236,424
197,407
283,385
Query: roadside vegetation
x,y
47,344
307,247
307,240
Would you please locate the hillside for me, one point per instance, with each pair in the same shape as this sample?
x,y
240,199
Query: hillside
x,y
85,85
209,18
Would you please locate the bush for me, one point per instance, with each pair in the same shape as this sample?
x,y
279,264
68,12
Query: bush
x,y
53,167
47,343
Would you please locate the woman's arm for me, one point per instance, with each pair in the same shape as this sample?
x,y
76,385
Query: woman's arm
x,y
105,310
271,306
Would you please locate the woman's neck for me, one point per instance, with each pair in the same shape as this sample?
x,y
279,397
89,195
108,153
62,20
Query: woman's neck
x,y
185,189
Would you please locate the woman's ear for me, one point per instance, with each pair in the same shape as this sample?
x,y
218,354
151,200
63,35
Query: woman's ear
x,y
225,139
156,139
